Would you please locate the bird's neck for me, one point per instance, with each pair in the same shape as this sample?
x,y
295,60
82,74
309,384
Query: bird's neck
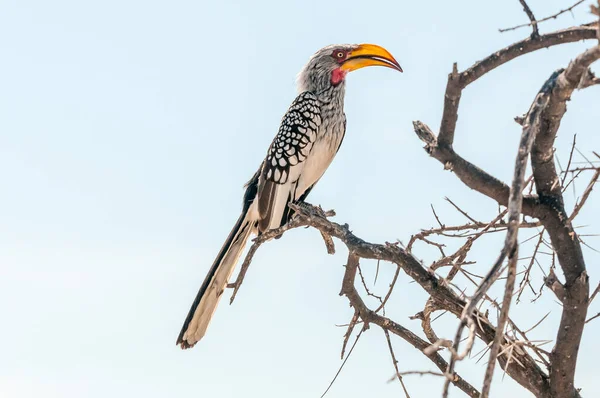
x,y
332,98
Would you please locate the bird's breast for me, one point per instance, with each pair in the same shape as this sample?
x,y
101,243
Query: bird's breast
x,y
328,141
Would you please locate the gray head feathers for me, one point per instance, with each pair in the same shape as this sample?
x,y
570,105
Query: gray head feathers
x,y
316,74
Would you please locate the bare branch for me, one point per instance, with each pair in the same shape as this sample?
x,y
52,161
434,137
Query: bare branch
x,y
351,326
593,296
536,33
508,293
562,235
369,316
531,376
458,81
592,318
562,183
344,362
273,234
461,211
329,245
510,249
525,279
535,23
586,194
471,175
436,217
395,362
420,373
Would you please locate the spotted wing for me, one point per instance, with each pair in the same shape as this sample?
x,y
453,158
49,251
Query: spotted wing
x,y
284,162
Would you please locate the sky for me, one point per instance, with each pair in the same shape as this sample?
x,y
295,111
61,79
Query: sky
x,y
127,129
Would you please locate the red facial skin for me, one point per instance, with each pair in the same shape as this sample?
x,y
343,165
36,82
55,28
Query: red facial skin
x,y
338,75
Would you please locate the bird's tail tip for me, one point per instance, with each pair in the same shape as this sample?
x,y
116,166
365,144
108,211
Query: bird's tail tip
x,y
184,345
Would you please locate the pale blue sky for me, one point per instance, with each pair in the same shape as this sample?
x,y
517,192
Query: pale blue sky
x,y
127,129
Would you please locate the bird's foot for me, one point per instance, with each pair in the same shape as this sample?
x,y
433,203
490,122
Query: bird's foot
x,y
310,210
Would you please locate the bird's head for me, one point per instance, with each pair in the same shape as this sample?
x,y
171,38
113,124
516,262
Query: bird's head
x,y
329,66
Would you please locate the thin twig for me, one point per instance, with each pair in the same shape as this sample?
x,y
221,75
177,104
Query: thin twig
x,y
395,362
348,333
420,373
535,34
436,217
343,363
593,296
586,194
461,211
543,19
508,291
570,160
592,318
525,279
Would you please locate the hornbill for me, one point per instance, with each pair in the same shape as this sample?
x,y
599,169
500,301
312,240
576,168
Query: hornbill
x,y
308,139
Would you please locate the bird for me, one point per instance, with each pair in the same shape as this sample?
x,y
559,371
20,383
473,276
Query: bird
x,y
309,137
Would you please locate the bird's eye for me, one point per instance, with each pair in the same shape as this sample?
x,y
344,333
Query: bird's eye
x,y
340,55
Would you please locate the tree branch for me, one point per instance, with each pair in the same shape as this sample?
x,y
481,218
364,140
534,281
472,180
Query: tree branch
x,y
534,23
369,316
471,175
523,369
562,235
440,148
537,22
510,249
458,81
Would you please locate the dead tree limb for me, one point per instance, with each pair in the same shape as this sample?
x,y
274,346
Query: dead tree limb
x,y
385,323
458,81
562,235
548,206
511,246
524,369
510,249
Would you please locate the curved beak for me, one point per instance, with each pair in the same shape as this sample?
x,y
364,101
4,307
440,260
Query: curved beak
x,y
369,55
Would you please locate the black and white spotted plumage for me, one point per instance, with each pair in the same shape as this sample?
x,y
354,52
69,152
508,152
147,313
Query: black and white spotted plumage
x,y
308,138
293,142
285,161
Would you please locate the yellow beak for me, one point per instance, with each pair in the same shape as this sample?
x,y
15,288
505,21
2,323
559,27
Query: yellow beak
x,y
369,55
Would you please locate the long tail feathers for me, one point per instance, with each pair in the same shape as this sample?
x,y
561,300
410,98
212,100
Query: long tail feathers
x,y
215,282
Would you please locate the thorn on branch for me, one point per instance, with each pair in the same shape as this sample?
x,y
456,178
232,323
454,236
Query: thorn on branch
x,y
520,120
